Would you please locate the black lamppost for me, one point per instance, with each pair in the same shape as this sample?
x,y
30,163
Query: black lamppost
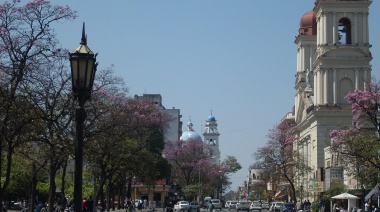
x,y
301,187
83,68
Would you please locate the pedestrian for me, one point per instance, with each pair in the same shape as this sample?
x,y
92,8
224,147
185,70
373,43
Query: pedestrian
x,y
335,207
129,205
103,206
84,205
367,206
304,206
299,206
210,207
90,204
145,203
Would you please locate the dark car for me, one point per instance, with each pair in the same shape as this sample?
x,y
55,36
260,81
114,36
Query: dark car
x,y
195,206
288,207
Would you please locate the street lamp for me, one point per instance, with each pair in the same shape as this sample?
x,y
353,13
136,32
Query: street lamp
x,y
95,172
301,187
199,183
83,67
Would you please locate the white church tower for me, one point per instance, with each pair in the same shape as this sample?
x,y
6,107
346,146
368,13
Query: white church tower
x,y
342,57
333,58
211,137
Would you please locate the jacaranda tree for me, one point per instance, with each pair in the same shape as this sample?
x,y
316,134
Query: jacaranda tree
x,y
278,155
358,144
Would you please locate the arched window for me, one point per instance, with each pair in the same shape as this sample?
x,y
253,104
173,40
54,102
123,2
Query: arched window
x,y
344,31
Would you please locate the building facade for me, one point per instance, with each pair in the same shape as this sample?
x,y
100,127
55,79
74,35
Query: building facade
x,y
161,191
333,58
175,124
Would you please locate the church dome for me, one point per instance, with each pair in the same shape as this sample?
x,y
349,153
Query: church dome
x,y
190,134
211,118
308,24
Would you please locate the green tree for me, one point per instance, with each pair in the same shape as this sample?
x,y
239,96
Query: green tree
x,y
229,165
27,42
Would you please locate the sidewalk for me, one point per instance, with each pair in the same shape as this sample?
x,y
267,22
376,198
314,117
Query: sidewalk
x,y
117,210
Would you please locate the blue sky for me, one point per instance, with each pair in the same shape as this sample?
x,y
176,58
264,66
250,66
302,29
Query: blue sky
x,y
234,57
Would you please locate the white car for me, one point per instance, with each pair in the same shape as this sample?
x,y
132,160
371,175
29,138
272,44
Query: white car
x,y
217,204
231,205
226,204
242,206
255,206
182,206
265,205
276,206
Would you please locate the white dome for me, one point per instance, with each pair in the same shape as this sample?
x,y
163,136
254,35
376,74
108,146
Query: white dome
x,y
187,135
190,134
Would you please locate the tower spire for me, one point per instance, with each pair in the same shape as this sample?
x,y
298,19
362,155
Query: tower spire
x,y
84,36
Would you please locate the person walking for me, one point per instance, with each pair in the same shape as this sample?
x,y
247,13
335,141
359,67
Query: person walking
x,y
299,206
210,207
90,204
367,206
84,209
103,206
145,203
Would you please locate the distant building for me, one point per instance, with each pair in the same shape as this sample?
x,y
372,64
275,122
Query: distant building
x,y
211,137
175,125
161,191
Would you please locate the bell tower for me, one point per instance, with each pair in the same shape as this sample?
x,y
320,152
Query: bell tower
x,y
211,137
342,58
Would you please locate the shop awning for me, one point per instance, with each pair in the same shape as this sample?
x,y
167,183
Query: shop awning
x,y
374,192
279,194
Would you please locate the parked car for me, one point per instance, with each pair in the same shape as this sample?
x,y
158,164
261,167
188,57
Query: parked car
x,y
288,207
195,206
231,205
217,204
242,206
227,203
182,206
276,206
255,206
265,205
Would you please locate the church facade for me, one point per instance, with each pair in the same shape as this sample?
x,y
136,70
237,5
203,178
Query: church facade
x,y
333,58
